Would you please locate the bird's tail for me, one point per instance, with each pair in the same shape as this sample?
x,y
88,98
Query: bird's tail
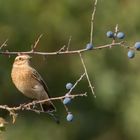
x,y
48,107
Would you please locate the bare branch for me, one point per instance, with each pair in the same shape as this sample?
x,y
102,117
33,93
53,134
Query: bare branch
x,y
89,82
36,42
68,46
115,33
27,106
116,28
4,44
62,49
81,77
92,21
65,48
63,53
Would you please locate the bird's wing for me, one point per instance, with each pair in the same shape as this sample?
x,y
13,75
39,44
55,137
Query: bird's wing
x,y
38,77
49,106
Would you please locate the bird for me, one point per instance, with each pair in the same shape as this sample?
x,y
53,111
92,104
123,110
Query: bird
x,y
29,82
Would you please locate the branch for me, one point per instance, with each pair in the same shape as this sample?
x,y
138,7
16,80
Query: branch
x,y
76,84
36,43
89,82
68,46
92,21
63,52
28,106
4,44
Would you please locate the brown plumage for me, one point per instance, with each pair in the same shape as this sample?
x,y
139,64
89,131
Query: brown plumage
x,y
28,81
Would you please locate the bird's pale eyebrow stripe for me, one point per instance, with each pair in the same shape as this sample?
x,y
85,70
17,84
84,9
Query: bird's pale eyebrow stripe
x,y
19,58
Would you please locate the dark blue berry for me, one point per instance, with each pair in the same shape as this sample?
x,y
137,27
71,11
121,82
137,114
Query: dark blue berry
x,y
120,35
69,86
69,117
131,54
137,45
66,101
110,34
89,46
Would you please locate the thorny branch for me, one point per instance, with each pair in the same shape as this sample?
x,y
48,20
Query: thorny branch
x,y
28,106
63,52
85,69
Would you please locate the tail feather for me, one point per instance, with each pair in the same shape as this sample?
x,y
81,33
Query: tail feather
x,y
55,117
48,107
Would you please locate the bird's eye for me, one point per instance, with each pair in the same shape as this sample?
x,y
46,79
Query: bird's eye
x,y
20,58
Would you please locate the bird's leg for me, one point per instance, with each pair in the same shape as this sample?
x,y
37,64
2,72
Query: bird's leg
x,y
42,110
34,104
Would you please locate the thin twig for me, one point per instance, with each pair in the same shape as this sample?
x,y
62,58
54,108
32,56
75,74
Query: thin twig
x,y
4,44
89,82
68,46
81,77
66,108
115,33
69,92
62,49
116,28
36,42
92,21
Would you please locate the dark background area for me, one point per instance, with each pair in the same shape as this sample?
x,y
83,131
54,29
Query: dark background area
x,y
115,113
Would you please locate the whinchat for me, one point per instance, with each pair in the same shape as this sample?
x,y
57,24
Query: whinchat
x,y
28,81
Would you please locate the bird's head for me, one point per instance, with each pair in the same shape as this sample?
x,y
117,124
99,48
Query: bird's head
x,y
22,60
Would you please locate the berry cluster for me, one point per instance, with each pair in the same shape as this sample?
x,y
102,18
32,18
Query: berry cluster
x,y
119,35
131,52
67,101
109,34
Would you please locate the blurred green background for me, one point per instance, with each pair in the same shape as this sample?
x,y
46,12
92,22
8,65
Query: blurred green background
x,y
115,113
